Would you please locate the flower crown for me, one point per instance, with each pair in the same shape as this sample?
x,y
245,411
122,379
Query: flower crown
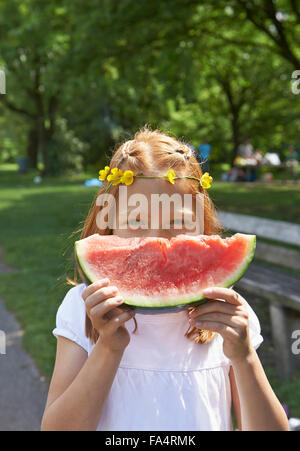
x,y
116,176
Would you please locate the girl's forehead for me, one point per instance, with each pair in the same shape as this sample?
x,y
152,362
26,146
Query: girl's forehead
x,y
158,186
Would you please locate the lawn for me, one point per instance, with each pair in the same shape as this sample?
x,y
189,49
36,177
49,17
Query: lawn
x,y
278,201
37,225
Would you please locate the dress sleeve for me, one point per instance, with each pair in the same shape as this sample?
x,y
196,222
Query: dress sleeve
x,y
70,318
254,326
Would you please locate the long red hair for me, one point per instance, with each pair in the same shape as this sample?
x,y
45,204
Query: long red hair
x,y
155,151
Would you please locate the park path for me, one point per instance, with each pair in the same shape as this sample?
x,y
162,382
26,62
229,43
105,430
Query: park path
x,y
23,391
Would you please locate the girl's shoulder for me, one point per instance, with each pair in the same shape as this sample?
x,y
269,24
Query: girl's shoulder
x,y
72,305
70,317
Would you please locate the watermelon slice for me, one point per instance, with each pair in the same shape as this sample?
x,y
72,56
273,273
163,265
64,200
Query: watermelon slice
x,y
165,274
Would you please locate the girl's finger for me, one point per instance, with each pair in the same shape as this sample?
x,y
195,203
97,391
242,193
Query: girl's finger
x,y
227,294
215,326
214,306
94,287
103,308
113,324
100,295
228,320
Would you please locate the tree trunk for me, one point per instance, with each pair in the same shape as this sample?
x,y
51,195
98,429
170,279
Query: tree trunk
x,y
235,105
236,139
37,144
32,147
45,136
46,133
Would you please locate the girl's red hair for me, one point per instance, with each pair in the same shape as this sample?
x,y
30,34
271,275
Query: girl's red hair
x,y
153,151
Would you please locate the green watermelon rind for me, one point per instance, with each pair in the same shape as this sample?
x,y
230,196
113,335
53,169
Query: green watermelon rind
x,y
179,301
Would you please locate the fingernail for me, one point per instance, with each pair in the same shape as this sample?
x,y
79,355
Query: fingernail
x,y
207,291
119,300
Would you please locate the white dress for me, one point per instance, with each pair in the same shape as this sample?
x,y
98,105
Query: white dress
x,y
165,381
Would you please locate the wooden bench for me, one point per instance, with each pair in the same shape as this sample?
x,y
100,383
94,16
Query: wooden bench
x,y
280,289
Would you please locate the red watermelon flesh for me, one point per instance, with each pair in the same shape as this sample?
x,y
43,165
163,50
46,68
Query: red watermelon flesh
x,y
157,272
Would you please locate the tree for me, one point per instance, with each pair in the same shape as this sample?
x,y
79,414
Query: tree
x,y
279,22
35,55
200,70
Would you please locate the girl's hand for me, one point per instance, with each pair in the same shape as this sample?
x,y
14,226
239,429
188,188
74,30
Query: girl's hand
x,y
101,302
229,319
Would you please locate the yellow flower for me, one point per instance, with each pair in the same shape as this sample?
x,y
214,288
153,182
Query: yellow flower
x,y
127,177
115,176
171,176
206,180
103,173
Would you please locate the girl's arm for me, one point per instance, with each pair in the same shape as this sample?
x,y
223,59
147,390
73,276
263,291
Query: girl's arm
x,y
79,386
256,405
80,383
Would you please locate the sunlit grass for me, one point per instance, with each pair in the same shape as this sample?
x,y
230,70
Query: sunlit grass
x,y
36,228
280,202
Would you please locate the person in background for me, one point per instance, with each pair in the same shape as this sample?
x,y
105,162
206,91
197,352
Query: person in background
x,y
245,151
204,150
258,157
236,174
292,162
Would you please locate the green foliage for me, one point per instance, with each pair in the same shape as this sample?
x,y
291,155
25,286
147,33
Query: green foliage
x,y
13,136
217,71
65,151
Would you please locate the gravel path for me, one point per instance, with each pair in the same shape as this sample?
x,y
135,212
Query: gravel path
x,y
23,391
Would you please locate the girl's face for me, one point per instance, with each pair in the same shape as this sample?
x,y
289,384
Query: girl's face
x,y
155,207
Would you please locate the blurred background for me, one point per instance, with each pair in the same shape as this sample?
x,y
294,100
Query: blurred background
x,y
83,76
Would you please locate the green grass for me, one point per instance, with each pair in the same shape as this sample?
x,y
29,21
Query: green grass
x,y
288,392
36,225
281,202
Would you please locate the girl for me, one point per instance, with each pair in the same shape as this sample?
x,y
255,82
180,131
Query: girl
x,y
172,371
